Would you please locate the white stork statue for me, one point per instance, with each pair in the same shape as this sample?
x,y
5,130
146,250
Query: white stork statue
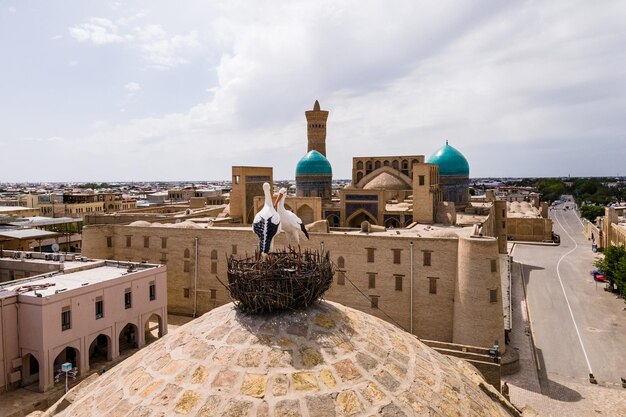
x,y
266,222
289,222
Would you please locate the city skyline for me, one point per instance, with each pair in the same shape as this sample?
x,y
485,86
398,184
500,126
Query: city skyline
x,y
150,91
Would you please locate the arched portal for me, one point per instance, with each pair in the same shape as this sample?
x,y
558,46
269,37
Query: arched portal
x,y
128,338
333,220
69,354
392,222
30,369
153,328
359,217
100,350
306,214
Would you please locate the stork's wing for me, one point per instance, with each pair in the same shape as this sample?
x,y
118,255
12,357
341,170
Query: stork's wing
x,y
265,230
272,230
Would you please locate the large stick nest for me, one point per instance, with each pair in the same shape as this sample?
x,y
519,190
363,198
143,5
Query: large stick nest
x,y
283,280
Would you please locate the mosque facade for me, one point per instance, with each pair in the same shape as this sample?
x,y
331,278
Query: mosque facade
x,y
438,279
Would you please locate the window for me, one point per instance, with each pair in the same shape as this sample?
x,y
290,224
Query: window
x,y
494,266
128,241
152,291
99,308
236,179
128,298
66,319
109,242
398,282
214,267
163,256
146,241
341,263
504,225
374,301
427,258
432,285
341,278
213,254
213,294
422,179
186,253
503,212
397,256
234,250
370,254
163,243
372,281
186,266
186,292
493,296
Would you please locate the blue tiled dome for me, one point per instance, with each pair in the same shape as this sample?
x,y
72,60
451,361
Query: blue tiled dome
x,y
450,161
314,163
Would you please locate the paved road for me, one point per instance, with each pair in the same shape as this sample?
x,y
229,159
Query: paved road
x,y
578,327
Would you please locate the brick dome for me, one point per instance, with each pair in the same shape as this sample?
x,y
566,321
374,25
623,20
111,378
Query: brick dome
x,y
329,360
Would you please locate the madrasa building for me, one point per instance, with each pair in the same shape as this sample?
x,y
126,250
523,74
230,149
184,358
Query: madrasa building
x,y
389,191
405,248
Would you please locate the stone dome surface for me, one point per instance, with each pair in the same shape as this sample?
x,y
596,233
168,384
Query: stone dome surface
x,y
386,181
450,161
314,163
329,360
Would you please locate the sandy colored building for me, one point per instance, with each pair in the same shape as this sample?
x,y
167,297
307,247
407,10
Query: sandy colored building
x,y
438,282
609,230
247,182
525,222
80,311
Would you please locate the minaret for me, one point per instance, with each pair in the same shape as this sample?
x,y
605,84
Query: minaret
x,y
316,128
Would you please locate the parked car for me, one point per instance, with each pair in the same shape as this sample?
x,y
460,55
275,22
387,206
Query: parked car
x,y
556,238
599,275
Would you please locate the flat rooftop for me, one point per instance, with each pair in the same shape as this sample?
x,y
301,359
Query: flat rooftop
x,y
61,281
6,209
417,230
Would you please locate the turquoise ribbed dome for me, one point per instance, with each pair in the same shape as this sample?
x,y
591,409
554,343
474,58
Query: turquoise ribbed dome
x,y
314,163
450,161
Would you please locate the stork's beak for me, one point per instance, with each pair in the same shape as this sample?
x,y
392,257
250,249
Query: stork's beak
x,y
278,197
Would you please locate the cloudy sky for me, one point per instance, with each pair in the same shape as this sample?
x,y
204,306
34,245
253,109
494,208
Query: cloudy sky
x,y
147,90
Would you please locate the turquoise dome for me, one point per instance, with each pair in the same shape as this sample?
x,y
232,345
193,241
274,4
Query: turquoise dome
x,y
314,163
450,161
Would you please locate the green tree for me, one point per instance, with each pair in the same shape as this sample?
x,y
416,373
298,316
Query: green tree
x,y
551,188
591,212
614,267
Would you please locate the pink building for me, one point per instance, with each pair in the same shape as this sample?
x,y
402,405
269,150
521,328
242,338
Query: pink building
x,y
86,313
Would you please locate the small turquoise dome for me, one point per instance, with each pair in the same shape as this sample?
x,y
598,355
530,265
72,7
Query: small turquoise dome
x,y
450,161
314,163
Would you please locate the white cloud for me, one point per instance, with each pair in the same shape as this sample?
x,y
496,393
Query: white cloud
x,y
159,49
163,51
132,87
12,9
99,31
495,78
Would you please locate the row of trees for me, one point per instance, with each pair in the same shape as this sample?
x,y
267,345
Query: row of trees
x,y
585,190
614,267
